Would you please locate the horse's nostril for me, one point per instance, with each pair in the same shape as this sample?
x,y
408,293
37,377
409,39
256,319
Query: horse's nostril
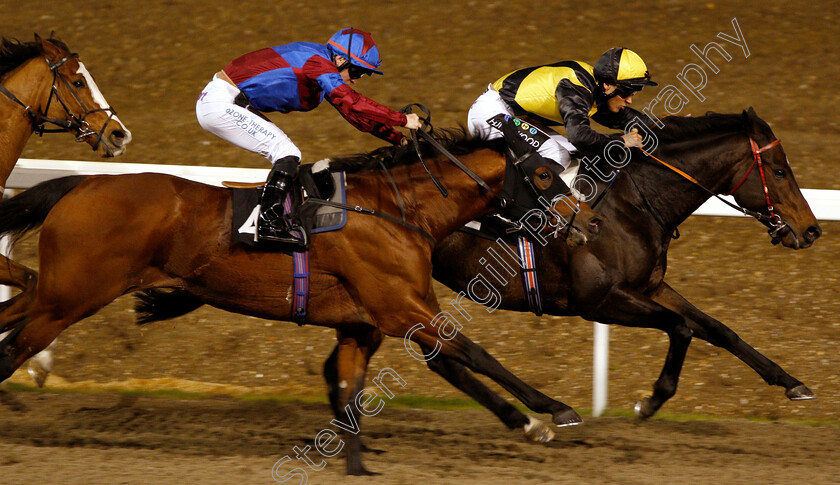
x,y
117,136
812,233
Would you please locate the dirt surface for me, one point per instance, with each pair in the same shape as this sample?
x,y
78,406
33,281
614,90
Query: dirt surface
x,y
83,439
151,60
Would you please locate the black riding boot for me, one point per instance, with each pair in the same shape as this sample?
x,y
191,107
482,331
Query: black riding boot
x,y
272,224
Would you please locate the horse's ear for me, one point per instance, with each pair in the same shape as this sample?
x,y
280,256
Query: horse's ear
x,y
748,115
40,41
752,122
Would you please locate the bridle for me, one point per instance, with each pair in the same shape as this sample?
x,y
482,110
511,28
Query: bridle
x,y
74,124
771,218
758,162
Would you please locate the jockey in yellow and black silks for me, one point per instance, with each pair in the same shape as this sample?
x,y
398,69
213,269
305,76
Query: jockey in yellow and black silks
x,y
567,93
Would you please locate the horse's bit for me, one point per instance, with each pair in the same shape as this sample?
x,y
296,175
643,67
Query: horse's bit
x,y
74,124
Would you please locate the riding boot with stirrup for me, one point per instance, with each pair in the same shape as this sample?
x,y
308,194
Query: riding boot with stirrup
x,y
273,225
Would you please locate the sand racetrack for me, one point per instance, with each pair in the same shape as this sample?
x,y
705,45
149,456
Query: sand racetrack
x,y
152,58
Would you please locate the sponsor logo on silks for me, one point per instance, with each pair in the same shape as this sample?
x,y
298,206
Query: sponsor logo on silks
x,y
534,143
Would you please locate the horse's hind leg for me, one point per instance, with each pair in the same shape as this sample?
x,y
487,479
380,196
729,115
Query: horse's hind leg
x,y
344,372
12,313
67,292
463,350
16,274
631,309
27,339
460,377
718,334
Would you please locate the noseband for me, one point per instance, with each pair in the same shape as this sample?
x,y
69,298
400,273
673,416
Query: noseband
x,y
74,124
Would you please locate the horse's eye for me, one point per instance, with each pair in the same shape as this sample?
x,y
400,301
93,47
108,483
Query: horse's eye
x,y
544,175
779,173
79,83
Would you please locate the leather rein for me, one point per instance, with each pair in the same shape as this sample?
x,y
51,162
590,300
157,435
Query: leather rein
x,y
74,123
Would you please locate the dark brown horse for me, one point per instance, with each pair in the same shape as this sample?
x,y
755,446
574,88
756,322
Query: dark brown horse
x,y
106,236
44,87
620,277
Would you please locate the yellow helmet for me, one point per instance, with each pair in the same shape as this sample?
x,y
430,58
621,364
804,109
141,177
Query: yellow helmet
x,y
624,68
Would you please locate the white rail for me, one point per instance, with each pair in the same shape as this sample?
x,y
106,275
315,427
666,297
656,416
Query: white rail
x,y
824,203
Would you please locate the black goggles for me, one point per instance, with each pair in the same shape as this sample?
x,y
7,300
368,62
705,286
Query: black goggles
x,y
357,72
624,91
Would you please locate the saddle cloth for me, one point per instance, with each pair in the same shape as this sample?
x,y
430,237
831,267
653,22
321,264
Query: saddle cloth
x,y
314,218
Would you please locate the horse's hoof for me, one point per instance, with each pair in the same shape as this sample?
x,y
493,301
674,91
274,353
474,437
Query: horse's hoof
x,y
800,393
537,431
361,471
567,417
643,409
375,451
38,374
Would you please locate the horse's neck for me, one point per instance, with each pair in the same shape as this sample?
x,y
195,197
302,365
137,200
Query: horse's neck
x,y
673,197
439,216
26,83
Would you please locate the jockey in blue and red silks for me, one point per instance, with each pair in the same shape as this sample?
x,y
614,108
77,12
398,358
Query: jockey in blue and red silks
x,y
294,77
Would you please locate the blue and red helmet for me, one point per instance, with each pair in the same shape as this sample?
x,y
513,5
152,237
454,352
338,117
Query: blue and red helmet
x,y
358,47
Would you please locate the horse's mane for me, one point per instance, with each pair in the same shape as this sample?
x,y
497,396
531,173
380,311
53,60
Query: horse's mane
x,y
13,53
454,140
679,128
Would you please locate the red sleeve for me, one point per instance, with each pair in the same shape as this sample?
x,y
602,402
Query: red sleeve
x,y
366,114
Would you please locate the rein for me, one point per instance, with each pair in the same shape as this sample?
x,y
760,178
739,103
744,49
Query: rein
x,y
425,133
772,219
74,124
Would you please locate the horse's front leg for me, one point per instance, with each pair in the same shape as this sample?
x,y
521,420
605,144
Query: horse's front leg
x,y
629,308
344,372
718,334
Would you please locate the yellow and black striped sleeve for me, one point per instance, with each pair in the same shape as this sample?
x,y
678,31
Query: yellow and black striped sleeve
x,y
576,103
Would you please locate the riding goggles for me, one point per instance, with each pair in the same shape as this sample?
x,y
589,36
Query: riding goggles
x,y
357,72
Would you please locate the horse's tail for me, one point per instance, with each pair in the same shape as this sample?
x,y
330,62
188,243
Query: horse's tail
x,y
155,305
27,210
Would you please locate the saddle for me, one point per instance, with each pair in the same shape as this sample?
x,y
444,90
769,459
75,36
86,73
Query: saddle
x,y
313,218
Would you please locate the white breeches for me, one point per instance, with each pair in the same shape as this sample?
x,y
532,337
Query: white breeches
x,y
490,104
217,113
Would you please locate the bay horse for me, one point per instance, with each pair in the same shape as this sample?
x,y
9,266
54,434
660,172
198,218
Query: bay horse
x,y
43,82
106,236
620,277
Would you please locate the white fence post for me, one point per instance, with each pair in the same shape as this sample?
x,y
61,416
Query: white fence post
x,y
600,366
